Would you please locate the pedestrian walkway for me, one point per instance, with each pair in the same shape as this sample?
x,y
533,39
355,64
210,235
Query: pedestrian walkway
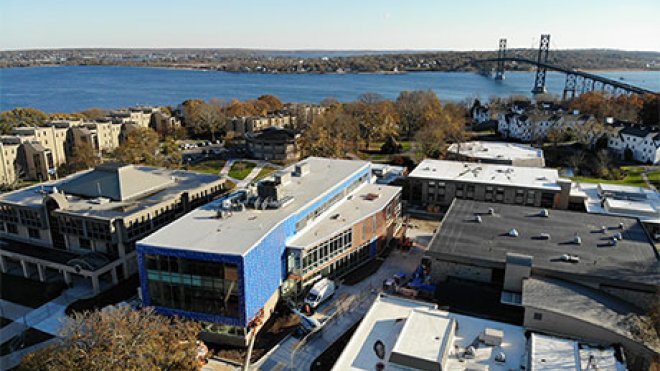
x,y
12,310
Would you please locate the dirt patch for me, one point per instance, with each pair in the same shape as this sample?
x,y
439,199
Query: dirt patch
x,y
274,331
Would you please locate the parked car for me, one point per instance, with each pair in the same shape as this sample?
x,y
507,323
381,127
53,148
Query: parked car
x,y
320,292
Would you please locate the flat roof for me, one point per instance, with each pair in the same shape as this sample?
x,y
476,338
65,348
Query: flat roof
x,y
424,335
585,304
388,317
549,353
619,200
360,204
462,239
174,183
493,174
238,233
496,150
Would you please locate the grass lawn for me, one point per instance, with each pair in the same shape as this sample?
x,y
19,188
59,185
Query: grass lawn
x,y
209,167
27,292
241,169
265,171
633,177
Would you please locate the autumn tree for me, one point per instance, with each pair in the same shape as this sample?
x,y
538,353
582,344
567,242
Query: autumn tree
x,y
170,153
84,157
332,134
273,102
649,113
120,339
377,117
207,117
415,109
21,117
140,147
94,113
445,126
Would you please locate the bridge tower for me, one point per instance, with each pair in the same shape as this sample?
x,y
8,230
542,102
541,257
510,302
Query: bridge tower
x,y
541,70
501,54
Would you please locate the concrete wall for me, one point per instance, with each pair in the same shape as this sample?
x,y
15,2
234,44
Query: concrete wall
x,y
441,270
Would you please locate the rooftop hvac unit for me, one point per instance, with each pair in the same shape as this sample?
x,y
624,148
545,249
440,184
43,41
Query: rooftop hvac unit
x,y
577,240
544,213
513,233
621,225
603,229
477,218
544,236
491,211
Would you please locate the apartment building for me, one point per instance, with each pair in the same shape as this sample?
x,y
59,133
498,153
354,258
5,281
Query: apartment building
x,y
435,183
42,151
535,125
273,144
9,147
104,136
317,218
253,124
140,116
86,225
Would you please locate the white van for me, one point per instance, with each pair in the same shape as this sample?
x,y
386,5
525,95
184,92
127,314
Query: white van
x,y
320,292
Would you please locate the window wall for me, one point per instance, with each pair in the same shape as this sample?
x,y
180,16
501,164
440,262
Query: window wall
x,y
193,285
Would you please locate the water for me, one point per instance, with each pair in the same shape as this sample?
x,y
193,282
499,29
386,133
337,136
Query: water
x,y
75,88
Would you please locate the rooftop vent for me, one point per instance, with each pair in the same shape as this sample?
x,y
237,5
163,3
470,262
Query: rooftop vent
x,y
301,169
513,233
570,258
371,196
619,236
577,240
621,225
491,211
544,236
544,213
603,229
477,218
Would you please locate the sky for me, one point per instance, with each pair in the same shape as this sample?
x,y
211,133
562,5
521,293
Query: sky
x,y
336,24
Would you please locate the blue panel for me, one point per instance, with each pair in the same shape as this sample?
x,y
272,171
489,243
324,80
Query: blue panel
x,y
372,247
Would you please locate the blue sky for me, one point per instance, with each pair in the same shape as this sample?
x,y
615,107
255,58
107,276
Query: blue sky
x,y
342,24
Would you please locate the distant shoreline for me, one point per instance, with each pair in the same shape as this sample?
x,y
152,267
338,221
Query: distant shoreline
x,y
383,72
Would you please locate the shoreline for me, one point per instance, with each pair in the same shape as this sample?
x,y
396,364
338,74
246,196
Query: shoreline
x,y
381,72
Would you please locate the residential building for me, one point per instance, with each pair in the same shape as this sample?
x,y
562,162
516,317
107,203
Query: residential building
x,y
140,116
534,126
614,199
103,136
634,142
497,153
162,122
86,225
273,143
435,183
317,218
9,147
44,152
551,353
252,124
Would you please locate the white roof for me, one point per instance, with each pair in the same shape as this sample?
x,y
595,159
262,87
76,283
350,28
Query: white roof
x,y
425,335
549,353
352,209
496,150
643,203
517,176
201,230
389,315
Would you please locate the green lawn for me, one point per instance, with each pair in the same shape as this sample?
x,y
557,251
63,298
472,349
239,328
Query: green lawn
x,y
209,167
265,171
241,169
633,177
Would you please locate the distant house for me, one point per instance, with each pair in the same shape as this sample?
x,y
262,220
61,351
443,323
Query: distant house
x,y
640,142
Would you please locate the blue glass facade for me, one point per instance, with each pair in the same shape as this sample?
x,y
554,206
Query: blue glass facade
x,y
261,270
